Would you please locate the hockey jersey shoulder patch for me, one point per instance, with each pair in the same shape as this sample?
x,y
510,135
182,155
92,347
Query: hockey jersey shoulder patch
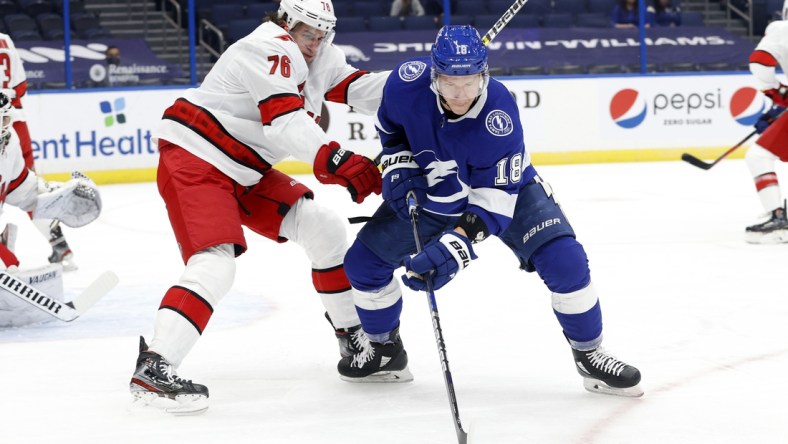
x,y
499,123
411,71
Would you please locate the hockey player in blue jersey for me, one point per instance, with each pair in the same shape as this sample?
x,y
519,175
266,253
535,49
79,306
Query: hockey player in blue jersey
x,y
460,149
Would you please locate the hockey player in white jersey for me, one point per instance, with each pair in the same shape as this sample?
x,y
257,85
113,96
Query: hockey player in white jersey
x,y
772,145
13,83
75,203
257,106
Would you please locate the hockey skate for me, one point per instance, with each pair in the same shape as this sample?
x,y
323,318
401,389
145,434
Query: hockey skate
x,y
377,363
774,230
61,252
351,340
603,373
155,378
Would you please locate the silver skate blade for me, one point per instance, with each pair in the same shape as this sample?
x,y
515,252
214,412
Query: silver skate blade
x,y
396,376
773,238
181,405
191,404
597,386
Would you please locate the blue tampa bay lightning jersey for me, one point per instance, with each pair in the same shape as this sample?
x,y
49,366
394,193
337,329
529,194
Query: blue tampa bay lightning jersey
x,y
476,162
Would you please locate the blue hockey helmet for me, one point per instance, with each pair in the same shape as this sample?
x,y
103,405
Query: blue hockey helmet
x,y
459,51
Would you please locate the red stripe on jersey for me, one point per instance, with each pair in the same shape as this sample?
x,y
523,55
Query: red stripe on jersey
x,y
762,57
206,125
301,86
338,93
285,37
278,105
3,44
8,257
765,181
188,304
20,91
18,181
330,280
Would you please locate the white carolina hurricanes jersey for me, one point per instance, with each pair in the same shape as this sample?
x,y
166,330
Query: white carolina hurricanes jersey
x,y
18,185
13,80
253,108
771,50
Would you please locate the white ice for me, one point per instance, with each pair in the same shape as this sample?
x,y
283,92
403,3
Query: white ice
x,y
701,313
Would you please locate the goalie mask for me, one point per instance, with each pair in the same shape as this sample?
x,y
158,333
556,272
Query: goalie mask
x,y
318,14
458,51
5,121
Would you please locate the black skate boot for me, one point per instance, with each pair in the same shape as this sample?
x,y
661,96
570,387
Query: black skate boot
x,y
155,378
377,363
61,252
351,340
773,231
603,373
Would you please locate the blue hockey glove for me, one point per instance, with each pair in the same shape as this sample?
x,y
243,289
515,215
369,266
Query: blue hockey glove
x,y
401,174
767,118
444,257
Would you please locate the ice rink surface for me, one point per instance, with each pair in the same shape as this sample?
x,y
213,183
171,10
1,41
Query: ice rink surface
x,y
701,313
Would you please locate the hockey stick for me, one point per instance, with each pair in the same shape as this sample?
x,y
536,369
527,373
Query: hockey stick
x,y
503,21
694,161
67,311
462,436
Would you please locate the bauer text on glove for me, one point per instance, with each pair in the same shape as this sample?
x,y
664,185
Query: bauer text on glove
x,y
401,175
444,257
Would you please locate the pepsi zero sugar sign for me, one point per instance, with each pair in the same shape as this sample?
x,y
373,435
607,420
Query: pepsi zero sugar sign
x,y
564,46
688,105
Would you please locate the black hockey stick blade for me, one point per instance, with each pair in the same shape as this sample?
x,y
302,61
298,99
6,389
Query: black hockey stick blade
x,y
694,161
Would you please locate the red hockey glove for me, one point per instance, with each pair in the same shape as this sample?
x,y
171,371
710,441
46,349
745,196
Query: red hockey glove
x,y
334,165
778,95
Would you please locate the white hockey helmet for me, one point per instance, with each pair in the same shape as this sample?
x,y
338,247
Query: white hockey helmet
x,y
785,10
5,120
318,14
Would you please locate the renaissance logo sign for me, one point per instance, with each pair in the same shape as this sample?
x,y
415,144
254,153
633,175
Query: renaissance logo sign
x,y
747,104
628,108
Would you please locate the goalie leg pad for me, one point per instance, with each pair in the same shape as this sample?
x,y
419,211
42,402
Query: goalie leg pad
x,y
15,312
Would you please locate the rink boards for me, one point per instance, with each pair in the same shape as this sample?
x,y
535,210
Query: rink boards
x,y
567,120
